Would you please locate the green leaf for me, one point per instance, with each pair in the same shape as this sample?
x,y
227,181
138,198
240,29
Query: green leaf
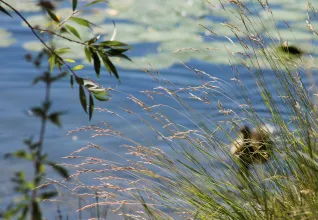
x,y
48,195
55,118
24,212
62,50
78,67
96,62
69,60
31,145
122,56
72,81
91,106
104,59
74,4
19,178
91,86
81,21
73,31
79,80
95,2
99,92
113,43
52,62
96,90
5,11
42,168
109,65
14,210
82,97
38,111
102,97
87,54
52,15
115,52
36,211
93,40
59,76
59,169
58,63
38,79
19,154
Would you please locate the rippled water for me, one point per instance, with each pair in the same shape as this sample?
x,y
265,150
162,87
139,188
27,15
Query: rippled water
x,y
18,95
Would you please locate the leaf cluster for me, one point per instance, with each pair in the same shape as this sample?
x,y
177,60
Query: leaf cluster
x,y
30,189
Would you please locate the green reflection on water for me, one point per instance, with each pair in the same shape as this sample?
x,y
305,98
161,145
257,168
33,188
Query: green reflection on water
x,y
6,38
174,26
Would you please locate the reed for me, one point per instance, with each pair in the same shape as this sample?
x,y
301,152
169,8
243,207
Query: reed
x,y
196,176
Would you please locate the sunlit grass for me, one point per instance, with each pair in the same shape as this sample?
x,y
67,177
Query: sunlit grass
x,y
198,178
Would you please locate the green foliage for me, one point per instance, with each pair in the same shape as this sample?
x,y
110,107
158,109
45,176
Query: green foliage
x,y
5,11
72,81
87,54
95,2
74,4
55,118
96,90
94,51
81,21
91,106
96,61
82,98
200,178
59,169
73,31
52,15
78,67
30,190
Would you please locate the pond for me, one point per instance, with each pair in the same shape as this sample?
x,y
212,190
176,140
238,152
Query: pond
x,y
165,34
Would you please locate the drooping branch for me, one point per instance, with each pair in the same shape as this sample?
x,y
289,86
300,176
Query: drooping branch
x,y
39,38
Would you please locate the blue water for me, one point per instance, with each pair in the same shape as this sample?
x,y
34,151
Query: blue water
x,y
18,95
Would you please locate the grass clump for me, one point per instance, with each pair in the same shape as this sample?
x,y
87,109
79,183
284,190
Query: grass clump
x,y
198,178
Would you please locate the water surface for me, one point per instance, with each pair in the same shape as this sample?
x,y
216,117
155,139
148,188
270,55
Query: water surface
x,y
18,95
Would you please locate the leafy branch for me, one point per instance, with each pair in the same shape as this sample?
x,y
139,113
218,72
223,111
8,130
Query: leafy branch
x,y
31,191
98,52
59,35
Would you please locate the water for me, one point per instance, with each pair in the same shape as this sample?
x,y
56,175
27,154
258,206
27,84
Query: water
x,y
18,95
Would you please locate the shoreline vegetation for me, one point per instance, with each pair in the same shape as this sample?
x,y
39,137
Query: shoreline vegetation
x,y
198,178
29,190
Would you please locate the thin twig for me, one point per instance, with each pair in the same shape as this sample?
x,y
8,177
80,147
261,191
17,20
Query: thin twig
x,y
66,19
40,39
61,36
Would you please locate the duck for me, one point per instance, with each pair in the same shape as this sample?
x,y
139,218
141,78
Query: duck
x,y
290,49
252,146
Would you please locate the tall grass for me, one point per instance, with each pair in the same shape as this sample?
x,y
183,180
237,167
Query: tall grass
x,y
197,178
